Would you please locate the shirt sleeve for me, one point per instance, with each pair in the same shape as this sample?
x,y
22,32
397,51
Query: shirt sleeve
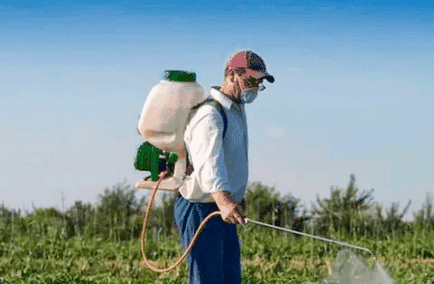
x,y
204,141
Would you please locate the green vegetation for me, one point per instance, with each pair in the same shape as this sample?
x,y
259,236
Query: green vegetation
x,y
101,243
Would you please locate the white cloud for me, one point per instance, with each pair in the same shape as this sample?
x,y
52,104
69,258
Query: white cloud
x,y
276,132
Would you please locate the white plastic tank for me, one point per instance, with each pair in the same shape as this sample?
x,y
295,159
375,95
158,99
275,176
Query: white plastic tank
x,y
162,121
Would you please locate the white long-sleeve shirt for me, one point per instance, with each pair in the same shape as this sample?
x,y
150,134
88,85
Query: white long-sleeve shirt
x,y
219,165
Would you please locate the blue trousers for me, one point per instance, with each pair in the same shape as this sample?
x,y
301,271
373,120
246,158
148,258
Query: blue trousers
x,y
215,257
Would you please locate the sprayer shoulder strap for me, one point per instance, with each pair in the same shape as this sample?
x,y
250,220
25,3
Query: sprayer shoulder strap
x,y
212,102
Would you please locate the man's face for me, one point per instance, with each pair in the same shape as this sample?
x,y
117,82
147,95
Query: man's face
x,y
244,82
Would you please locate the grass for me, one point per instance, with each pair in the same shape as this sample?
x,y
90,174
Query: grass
x,y
268,257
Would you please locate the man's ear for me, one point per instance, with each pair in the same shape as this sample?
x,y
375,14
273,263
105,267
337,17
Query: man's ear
x,y
231,75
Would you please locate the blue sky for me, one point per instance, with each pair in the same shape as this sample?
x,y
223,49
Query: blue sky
x,y
353,92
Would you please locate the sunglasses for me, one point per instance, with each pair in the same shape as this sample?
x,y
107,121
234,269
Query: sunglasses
x,y
257,82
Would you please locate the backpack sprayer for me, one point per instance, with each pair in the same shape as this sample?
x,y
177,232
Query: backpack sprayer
x,y
162,124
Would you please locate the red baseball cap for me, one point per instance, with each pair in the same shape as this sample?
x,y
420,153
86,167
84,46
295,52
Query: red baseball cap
x,y
254,64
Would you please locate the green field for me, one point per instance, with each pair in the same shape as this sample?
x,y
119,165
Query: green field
x,y
100,243
268,257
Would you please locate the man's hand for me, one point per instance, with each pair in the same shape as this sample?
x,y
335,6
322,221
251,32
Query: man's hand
x,y
232,212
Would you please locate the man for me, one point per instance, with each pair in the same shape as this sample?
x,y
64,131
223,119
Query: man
x,y
220,174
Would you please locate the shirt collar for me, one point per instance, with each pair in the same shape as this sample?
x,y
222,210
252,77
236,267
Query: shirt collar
x,y
222,99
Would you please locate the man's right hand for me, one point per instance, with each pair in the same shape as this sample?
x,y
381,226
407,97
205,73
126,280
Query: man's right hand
x,y
231,212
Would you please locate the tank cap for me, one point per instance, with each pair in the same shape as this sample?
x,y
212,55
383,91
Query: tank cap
x,y
179,76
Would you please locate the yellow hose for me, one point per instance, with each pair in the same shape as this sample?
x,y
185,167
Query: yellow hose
x,y
145,224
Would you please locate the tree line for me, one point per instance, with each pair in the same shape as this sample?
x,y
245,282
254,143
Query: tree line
x,y
118,215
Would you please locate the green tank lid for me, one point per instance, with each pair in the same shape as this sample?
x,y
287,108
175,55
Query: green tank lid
x,y
179,76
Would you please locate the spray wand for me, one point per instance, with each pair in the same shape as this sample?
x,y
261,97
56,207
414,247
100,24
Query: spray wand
x,y
310,236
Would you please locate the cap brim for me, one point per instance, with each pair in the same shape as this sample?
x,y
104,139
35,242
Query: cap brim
x,y
260,75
